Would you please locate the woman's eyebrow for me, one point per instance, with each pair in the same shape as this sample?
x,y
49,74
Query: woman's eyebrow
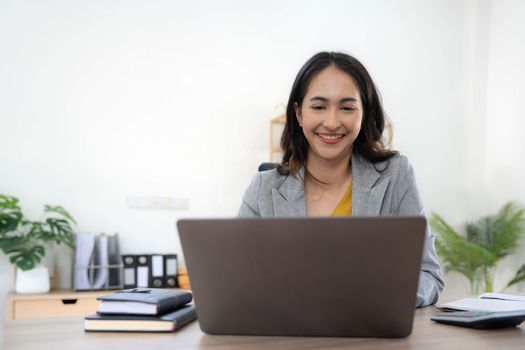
x,y
348,99
319,98
342,100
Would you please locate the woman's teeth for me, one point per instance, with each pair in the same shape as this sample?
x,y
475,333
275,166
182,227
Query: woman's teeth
x,y
330,137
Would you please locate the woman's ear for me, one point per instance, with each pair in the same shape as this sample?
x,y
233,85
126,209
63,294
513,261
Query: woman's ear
x,y
298,114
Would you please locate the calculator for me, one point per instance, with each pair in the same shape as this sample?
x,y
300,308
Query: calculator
x,y
480,319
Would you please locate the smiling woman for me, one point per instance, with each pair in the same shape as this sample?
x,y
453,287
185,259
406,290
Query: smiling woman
x,y
347,82
330,114
335,162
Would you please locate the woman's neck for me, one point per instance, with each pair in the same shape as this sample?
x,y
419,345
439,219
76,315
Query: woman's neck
x,y
325,174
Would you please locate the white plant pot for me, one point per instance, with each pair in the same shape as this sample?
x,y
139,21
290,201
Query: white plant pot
x,y
32,281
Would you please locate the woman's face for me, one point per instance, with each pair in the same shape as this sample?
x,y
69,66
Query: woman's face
x,y
331,115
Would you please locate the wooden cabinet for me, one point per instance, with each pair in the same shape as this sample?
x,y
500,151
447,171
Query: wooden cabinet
x,y
63,303
183,279
59,303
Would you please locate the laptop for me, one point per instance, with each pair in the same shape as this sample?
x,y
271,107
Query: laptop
x,y
334,277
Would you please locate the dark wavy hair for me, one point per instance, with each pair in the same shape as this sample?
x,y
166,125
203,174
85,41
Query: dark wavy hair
x,y
369,142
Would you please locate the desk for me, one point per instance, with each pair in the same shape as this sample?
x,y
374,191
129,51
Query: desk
x,y
68,333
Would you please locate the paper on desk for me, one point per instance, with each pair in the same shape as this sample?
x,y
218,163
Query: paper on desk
x,y
477,304
501,296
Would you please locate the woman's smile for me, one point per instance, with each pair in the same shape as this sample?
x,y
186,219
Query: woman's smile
x,y
330,138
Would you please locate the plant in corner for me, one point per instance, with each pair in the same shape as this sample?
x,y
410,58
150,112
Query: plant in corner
x,y
23,240
486,241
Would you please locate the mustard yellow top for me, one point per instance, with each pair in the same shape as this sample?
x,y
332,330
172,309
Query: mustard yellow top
x,y
344,208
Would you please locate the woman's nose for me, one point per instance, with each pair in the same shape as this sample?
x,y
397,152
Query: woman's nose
x,y
332,120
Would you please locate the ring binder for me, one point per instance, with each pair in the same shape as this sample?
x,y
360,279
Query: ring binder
x,y
157,271
150,271
171,268
143,270
130,271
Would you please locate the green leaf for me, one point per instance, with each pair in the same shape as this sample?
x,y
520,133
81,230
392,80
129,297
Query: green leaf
x,y
61,231
508,229
487,241
519,277
20,237
38,230
481,231
12,244
499,233
458,254
10,214
26,259
59,210
8,202
9,221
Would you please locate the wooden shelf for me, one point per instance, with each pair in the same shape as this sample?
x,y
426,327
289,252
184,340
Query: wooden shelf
x,y
184,279
64,303
57,303
276,130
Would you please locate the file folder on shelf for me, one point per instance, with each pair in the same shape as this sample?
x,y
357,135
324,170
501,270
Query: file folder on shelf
x,y
157,271
130,271
150,271
143,270
171,268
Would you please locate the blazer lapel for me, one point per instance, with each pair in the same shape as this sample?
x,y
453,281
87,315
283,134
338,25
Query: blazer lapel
x,y
368,191
288,199
368,187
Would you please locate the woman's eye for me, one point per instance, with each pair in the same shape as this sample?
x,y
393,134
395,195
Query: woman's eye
x,y
348,108
318,108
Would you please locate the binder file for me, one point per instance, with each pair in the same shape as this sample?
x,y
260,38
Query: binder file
x,y
130,271
157,271
150,271
170,270
143,270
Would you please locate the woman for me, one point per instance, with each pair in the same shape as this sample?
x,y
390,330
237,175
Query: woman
x,y
334,160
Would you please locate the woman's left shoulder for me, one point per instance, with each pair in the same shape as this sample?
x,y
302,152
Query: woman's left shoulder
x,y
396,165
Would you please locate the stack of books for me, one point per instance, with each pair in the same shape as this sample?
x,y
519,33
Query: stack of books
x,y
142,310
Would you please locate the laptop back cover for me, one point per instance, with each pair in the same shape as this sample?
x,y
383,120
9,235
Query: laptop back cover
x,y
304,276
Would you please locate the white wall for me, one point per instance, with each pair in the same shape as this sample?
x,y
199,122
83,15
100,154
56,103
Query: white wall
x,y
504,171
101,100
505,116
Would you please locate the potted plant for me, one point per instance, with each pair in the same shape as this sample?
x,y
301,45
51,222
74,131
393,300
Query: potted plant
x,y
23,241
486,241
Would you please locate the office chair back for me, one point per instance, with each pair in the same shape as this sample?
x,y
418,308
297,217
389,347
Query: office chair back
x,y
267,166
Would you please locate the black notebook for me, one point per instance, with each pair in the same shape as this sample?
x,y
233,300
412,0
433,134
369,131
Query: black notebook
x,y
143,301
169,322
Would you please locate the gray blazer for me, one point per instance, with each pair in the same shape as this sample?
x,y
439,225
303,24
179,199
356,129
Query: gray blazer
x,y
385,188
